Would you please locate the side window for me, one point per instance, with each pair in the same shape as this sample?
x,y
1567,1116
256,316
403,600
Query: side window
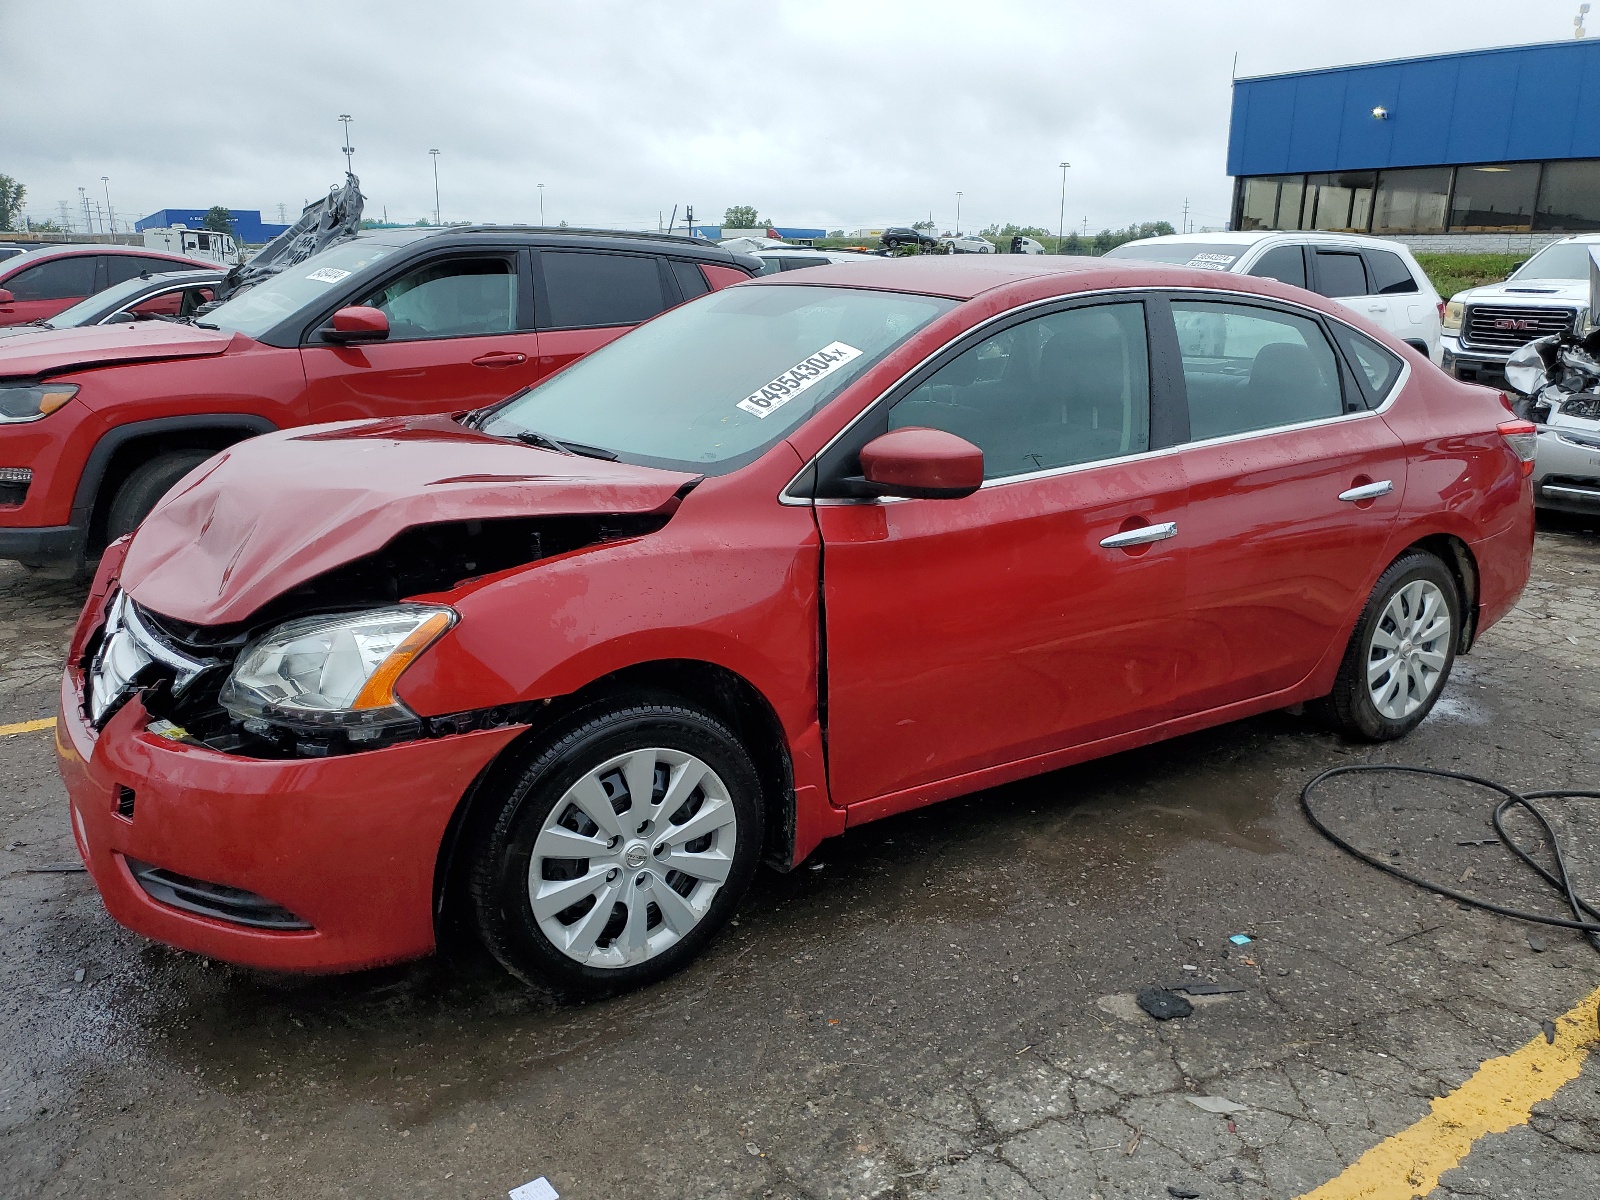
x,y
770,265
1390,275
584,288
122,267
1340,274
455,297
796,263
1286,264
690,281
1248,368
1071,387
58,279
1378,366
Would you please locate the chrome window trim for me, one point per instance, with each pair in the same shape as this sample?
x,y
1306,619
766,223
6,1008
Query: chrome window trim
x,y
149,296
1172,293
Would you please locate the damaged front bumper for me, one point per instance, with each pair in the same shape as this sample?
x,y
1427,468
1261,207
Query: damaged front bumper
x,y
291,864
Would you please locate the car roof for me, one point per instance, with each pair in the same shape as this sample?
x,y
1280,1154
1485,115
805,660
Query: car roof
x,y
961,277
544,235
1254,237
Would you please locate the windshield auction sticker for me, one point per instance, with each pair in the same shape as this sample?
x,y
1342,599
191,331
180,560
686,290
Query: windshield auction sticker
x,y
327,274
770,397
1211,262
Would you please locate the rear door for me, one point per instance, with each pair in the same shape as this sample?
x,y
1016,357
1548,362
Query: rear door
x,y
1412,315
43,290
586,298
1340,273
460,336
972,633
1294,486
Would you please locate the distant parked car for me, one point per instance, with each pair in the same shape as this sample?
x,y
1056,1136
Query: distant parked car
x,y
1025,245
897,236
43,282
795,258
11,250
1548,294
171,295
1373,276
96,424
968,243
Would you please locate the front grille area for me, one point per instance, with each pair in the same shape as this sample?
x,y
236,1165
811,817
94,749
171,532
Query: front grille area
x,y
1507,326
234,905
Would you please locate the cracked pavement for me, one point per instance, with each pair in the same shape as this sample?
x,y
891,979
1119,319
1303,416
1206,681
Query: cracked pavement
x,y
939,1004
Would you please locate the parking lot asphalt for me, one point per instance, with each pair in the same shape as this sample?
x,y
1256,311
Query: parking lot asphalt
x,y
942,1003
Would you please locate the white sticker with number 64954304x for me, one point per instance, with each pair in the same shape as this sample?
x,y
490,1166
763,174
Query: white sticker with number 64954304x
x,y
770,397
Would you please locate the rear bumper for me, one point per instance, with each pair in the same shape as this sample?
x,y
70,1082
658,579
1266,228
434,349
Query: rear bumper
x,y
1566,474
348,845
1504,564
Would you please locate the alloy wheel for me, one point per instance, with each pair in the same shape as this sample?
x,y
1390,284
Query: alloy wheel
x,y
631,857
1407,654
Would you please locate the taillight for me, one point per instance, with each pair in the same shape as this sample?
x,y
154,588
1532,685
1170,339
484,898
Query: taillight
x,y
1523,438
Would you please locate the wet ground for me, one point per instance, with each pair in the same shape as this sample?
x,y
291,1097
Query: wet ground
x,y
941,1004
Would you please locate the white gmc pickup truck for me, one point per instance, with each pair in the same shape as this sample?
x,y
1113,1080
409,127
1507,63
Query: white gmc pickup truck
x,y
1547,294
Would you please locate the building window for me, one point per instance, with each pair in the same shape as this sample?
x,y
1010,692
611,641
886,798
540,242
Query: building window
x,y
1569,197
1340,202
1272,202
1412,201
1496,197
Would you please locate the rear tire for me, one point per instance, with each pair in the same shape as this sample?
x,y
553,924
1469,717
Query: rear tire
x,y
145,486
620,851
1401,653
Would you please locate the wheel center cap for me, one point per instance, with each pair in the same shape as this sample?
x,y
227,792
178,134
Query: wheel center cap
x,y
1405,647
636,855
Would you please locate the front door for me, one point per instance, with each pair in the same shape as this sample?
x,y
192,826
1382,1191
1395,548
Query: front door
x,y
41,291
964,634
1294,488
459,337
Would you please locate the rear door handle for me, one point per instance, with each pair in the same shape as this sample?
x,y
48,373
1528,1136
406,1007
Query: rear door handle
x,y
500,358
1368,491
1141,536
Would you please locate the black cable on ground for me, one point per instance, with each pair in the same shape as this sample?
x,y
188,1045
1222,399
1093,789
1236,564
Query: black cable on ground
x,y
1585,916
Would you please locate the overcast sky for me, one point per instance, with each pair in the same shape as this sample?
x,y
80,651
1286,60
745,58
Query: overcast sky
x,y
836,113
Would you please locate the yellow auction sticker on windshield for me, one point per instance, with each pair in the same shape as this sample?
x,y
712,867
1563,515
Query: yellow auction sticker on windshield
x,y
770,397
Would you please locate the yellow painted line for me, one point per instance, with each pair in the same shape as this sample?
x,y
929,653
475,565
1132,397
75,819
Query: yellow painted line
x,y
27,726
1499,1096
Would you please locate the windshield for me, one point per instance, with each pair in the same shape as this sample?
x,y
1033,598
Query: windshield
x,y
1564,260
710,385
303,285
111,298
1203,256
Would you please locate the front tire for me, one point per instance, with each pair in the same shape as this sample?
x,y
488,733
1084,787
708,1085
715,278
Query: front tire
x,y
145,486
1401,653
620,851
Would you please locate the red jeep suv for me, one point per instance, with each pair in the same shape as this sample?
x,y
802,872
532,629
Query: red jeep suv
x,y
96,424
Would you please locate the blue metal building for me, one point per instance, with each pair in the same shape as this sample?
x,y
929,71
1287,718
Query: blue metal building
x,y
1504,140
248,227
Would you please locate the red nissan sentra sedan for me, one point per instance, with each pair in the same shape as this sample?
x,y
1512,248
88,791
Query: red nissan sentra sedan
x,y
799,554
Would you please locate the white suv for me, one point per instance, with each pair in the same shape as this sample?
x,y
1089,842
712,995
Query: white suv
x,y
1373,276
1547,294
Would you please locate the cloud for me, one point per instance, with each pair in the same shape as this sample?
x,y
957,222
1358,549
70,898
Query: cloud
x,y
829,113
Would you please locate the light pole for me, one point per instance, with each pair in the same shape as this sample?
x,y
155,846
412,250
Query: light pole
x,y
958,214
348,148
110,212
1061,226
435,154
541,205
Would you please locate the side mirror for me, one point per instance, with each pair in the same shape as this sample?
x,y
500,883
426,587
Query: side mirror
x,y
927,464
121,318
357,323
6,297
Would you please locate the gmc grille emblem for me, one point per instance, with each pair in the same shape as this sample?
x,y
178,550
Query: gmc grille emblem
x,y
1511,323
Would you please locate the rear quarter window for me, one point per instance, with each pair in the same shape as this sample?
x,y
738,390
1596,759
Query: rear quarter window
x,y
1376,367
1390,275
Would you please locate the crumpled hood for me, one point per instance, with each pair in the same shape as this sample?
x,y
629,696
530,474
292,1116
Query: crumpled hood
x,y
1552,293
40,352
271,513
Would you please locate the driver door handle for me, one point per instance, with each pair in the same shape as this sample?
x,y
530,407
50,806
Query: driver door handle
x,y
1368,491
1141,536
500,358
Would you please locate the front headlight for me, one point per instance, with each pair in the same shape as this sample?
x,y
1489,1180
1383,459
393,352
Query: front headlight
x,y
326,673
28,403
1453,313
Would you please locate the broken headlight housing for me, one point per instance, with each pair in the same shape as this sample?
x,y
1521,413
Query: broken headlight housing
x,y
334,673
20,403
